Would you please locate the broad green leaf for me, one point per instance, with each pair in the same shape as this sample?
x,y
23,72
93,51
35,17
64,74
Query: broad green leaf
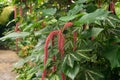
x,y
91,7
96,31
99,14
92,32
112,54
67,18
75,10
72,72
49,11
15,35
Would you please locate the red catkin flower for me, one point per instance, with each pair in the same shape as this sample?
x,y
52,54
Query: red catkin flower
x,y
61,40
50,36
30,7
67,24
43,74
60,47
99,3
92,38
63,76
75,40
112,7
16,28
54,57
21,11
15,12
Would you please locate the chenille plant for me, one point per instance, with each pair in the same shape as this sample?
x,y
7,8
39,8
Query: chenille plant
x,y
74,40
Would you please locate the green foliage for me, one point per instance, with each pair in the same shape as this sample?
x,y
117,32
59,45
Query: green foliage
x,y
93,59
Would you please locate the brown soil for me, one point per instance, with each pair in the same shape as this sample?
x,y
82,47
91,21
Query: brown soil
x,y
7,59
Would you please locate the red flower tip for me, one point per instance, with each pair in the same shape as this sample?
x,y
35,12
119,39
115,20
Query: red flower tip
x,y
68,24
112,7
92,38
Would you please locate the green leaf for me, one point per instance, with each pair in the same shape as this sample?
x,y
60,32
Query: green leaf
x,y
15,35
49,11
70,61
72,72
83,55
99,14
95,73
112,54
92,32
81,1
85,50
64,61
19,64
75,10
31,26
117,9
74,56
96,31
55,77
67,18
